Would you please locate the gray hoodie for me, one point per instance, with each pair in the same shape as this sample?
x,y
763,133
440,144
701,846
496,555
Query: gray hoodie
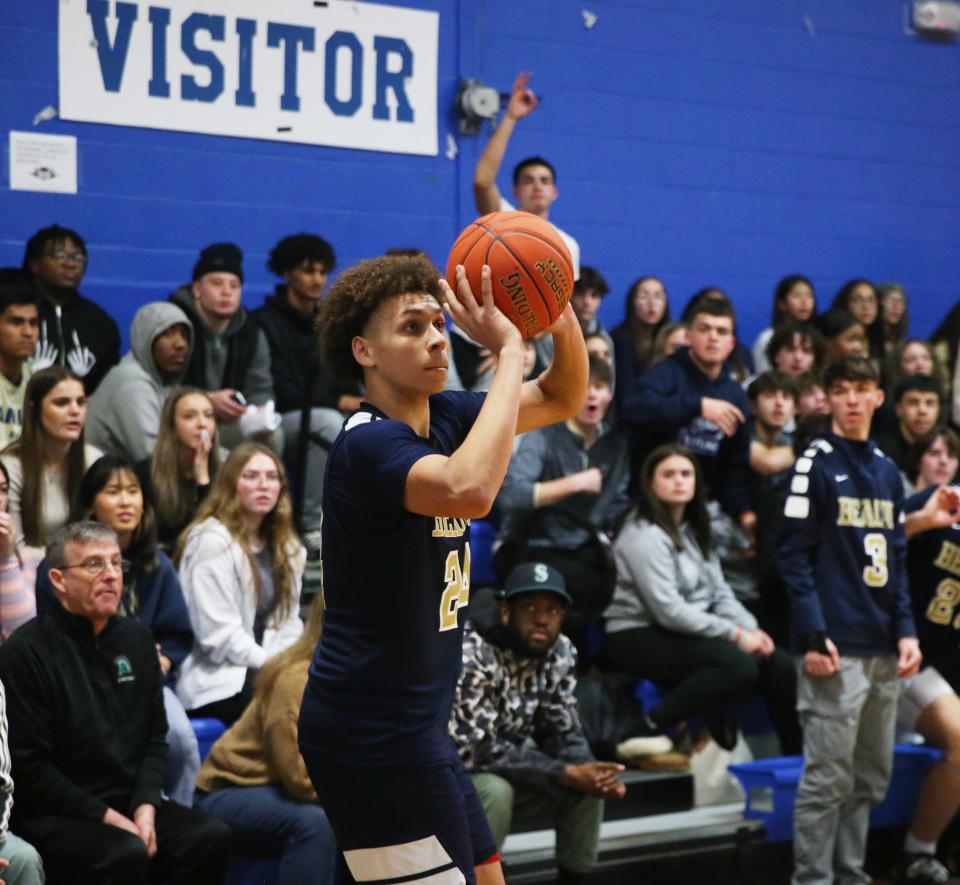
x,y
679,590
124,416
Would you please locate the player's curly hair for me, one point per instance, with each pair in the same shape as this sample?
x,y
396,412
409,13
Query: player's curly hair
x,y
356,294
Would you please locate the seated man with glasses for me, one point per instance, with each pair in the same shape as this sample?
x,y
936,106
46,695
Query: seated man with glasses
x,y
87,733
74,331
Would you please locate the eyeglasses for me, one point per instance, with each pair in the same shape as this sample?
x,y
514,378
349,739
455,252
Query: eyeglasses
x,y
63,256
93,568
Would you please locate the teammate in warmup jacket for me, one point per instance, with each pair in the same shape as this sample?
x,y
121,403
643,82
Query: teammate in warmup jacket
x,y
843,560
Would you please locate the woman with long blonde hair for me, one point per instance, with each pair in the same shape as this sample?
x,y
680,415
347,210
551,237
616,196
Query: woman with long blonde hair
x,y
184,462
254,778
240,565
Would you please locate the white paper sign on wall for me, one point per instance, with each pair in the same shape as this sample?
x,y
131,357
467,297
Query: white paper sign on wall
x,y
45,163
330,72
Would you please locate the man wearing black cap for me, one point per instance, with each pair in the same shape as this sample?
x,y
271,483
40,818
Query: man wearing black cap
x,y
516,726
230,353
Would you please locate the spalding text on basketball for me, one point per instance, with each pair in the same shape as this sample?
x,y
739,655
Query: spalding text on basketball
x,y
555,279
511,283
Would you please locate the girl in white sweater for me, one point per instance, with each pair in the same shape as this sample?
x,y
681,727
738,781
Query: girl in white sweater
x,y
240,565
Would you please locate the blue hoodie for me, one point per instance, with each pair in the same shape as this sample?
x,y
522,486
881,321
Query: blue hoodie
x,y
664,406
843,550
160,606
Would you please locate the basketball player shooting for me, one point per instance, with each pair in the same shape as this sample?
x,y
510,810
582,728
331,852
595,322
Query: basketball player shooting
x,y
405,476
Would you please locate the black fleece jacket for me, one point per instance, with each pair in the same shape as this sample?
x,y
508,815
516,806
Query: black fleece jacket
x,y
87,724
294,361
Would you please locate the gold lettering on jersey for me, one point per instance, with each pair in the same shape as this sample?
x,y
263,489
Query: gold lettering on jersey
x,y
949,558
865,513
449,527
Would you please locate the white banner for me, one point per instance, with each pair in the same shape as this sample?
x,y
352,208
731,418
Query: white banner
x,y
332,72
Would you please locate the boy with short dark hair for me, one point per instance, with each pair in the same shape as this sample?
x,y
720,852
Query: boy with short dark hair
x,y
917,403
773,396
301,387
795,348
534,178
842,554
19,331
689,398
405,476
811,399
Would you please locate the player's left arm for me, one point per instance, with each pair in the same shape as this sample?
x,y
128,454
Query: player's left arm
x,y
558,393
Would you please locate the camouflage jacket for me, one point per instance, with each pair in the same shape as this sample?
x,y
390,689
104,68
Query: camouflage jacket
x,y
517,716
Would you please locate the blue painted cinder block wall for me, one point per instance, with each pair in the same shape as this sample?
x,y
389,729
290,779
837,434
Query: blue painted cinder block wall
x,y
723,142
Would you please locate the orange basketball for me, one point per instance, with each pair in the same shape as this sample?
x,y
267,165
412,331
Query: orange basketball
x,y
530,267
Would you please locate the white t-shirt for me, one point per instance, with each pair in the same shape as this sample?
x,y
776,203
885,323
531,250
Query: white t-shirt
x,y
572,244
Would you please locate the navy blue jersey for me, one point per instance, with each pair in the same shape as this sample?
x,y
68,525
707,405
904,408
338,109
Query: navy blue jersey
x,y
382,679
933,564
842,548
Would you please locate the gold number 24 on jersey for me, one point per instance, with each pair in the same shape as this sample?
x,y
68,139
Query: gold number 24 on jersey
x,y
456,594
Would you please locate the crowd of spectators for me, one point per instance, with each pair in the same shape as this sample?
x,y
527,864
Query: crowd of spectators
x,y
157,512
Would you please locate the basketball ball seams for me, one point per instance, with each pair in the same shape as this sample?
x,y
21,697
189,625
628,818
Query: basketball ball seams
x,y
482,236
531,248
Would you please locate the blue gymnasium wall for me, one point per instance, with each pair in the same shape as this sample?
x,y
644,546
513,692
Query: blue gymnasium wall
x,y
722,142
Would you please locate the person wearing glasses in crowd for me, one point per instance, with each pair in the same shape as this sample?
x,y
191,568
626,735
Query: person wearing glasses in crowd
x,y
74,331
241,566
646,312
111,493
87,733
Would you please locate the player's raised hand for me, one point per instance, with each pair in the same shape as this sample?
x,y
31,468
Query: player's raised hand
x,y
483,321
522,99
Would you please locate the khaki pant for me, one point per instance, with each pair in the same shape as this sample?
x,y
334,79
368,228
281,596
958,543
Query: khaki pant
x,y
849,722
576,817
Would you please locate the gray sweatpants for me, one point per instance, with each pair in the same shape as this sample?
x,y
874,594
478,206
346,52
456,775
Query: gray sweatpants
x,y
849,721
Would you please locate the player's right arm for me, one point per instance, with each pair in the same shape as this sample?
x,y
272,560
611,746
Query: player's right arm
x,y
485,191
466,483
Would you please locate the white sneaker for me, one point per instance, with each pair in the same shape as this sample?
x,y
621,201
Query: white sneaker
x,y
635,747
